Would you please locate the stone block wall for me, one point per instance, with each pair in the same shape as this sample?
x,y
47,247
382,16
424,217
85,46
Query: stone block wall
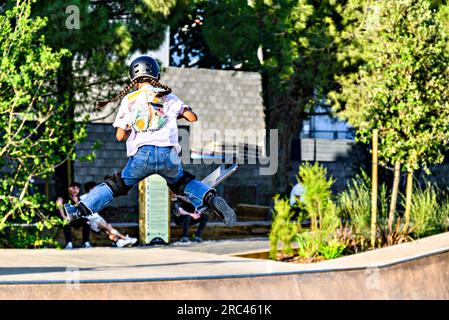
x,y
110,158
223,100
246,185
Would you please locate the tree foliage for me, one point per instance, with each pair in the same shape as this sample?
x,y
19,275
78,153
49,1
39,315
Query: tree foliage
x,y
292,43
188,47
101,36
108,32
401,86
32,122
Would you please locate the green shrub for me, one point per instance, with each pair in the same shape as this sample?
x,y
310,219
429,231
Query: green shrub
x,y
283,229
443,215
31,237
429,210
355,204
325,221
308,244
332,249
317,193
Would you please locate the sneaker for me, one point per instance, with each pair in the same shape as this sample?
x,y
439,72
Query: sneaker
x,y
72,212
128,241
184,240
224,211
120,243
131,240
87,245
197,239
69,245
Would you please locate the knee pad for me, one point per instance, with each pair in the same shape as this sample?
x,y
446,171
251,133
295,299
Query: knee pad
x,y
117,184
84,210
179,186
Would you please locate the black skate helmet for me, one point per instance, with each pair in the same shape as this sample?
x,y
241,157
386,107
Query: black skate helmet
x,y
144,66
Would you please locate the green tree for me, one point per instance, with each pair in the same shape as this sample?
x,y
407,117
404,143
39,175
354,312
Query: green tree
x,y
32,121
401,84
283,229
292,43
100,35
188,48
318,196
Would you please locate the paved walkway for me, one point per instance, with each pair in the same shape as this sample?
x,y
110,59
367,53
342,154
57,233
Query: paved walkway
x,y
211,259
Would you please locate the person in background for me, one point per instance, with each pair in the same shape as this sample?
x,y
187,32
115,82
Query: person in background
x,y
98,223
297,202
73,198
184,214
297,194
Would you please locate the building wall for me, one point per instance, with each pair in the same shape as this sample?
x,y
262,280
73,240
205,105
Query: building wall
x,y
225,102
245,186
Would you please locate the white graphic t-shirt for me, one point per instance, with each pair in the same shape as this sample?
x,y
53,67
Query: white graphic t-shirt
x,y
152,120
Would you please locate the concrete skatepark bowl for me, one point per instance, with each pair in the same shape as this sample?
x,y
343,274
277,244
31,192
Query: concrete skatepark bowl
x,y
216,270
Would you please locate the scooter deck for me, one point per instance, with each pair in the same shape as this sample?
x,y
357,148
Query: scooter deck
x,y
220,174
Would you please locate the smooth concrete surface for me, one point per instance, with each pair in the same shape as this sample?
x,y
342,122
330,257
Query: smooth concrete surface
x,y
416,270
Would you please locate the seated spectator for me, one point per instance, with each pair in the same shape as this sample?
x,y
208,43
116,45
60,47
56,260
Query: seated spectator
x,y
98,223
73,198
184,214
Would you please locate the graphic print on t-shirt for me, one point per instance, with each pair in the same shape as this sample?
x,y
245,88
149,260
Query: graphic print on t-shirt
x,y
147,111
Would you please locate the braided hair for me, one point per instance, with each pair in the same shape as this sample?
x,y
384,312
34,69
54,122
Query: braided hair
x,y
155,83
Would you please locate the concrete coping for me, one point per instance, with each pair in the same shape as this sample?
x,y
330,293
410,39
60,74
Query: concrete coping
x,y
388,256
168,264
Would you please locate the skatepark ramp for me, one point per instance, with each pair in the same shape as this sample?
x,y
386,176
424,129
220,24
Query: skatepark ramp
x,y
217,270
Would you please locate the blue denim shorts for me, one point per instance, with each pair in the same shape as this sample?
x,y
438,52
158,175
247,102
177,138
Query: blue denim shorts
x,y
153,160
163,161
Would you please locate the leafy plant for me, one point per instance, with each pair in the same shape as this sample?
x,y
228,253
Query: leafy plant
x,y
34,127
332,249
428,210
29,237
355,204
322,212
283,229
400,233
352,242
309,244
317,195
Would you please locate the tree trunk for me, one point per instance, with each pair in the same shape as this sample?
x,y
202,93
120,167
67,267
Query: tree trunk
x,y
408,198
285,111
374,191
281,179
65,86
394,198
288,127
